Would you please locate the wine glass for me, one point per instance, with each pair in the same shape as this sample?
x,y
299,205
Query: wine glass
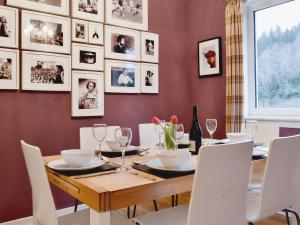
x,y
251,128
211,126
160,131
123,136
179,133
99,134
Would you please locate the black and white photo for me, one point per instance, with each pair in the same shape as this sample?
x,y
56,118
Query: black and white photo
x,y
87,93
122,77
80,30
149,78
5,68
149,47
9,69
87,57
96,33
9,27
44,32
127,13
122,43
45,72
92,10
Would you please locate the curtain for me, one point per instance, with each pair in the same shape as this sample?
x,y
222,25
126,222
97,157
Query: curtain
x,y
234,65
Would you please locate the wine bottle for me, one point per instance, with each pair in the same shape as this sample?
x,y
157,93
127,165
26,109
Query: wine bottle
x,y
195,135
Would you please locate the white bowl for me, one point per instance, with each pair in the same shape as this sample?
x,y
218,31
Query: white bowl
x,y
174,159
77,157
113,145
236,137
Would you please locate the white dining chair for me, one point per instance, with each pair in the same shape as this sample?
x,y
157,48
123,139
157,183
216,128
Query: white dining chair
x,y
278,189
147,134
219,189
44,211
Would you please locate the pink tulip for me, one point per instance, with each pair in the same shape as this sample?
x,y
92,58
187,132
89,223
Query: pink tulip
x,y
155,120
174,119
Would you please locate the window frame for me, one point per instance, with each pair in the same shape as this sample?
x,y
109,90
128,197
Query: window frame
x,y
291,114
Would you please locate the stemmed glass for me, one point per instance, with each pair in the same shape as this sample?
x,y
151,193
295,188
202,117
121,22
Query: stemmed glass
x,y
159,130
251,128
123,136
211,126
179,133
99,133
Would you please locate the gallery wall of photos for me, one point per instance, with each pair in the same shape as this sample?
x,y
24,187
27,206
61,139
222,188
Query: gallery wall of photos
x,y
88,47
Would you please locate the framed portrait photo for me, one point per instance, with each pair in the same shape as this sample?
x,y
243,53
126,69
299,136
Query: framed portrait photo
x,y
45,32
96,33
87,57
87,94
46,71
122,43
122,77
92,10
80,30
127,13
9,27
149,47
9,68
149,78
60,7
210,57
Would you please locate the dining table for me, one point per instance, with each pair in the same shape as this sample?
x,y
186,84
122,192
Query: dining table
x,y
108,191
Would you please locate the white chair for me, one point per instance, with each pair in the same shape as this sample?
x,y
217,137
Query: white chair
x,y
219,189
147,134
43,205
278,189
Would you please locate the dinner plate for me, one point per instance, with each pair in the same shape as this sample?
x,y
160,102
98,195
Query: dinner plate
x,y
60,164
260,151
187,167
128,149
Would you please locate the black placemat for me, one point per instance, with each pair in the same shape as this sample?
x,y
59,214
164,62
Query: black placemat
x,y
257,157
160,173
103,168
116,154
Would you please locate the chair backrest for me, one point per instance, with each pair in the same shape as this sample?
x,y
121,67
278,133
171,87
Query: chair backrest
x,y
43,205
220,185
278,190
147,134
87,141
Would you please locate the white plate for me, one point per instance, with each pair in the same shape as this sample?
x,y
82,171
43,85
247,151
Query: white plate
x,y
60,164
188,166
260,151
128,149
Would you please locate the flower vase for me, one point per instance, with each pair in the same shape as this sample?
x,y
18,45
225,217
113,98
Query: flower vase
x,y
170,136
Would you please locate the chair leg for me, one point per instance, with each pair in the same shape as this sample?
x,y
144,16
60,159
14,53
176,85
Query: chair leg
x,y
134,210
155,205
76,205
296,215
128,212
287,217
173,200
176,200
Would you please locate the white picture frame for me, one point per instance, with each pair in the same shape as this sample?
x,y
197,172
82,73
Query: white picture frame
x,y
45,32
96,35
122,43
81,10
87,57
62,8
46,71
9,64
85,103
149,47
149,78
80,31
133,14
9,36
116,84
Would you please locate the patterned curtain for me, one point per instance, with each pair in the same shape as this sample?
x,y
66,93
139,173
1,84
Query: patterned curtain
x,y
234,65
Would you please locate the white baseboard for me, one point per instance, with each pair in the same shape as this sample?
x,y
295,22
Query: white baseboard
x,y
28,220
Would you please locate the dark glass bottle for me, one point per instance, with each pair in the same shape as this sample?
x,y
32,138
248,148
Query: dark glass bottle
x,y
195,135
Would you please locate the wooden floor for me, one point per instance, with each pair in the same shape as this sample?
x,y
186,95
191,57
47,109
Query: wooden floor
x,y
166,203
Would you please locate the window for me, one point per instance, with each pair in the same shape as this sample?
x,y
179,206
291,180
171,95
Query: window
x,y
273,58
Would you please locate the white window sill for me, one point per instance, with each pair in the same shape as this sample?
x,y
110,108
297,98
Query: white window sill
x,y
270,118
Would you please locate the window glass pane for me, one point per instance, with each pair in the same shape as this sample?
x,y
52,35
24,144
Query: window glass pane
x,y
277,37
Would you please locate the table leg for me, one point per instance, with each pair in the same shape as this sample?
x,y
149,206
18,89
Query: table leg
x,y
99,218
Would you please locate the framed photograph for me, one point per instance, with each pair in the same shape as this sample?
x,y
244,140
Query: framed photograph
x,y
9,69
60,7
80,30
87,57
96,33
122,43
87,94
149,78
92,10
9,27
127,13
210,57
122,77
149,47
46,71
44,32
